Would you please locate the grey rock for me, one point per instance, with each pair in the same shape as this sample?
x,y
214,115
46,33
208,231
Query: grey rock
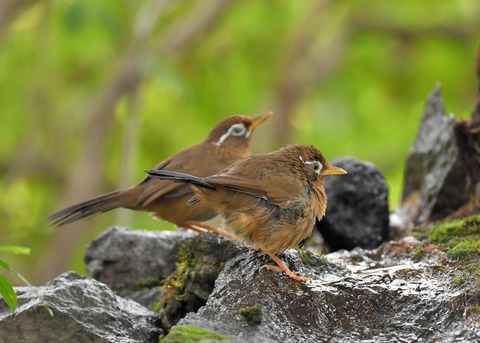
x,y
374,296
357,207
84,310
436,178
133,263
203,259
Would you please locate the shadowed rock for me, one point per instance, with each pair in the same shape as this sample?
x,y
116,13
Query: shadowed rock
x,y
84,310
442,172
357,207
133,262
141,265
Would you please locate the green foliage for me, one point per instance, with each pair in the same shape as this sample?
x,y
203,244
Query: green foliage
x,y
8,293
6,289
15,250
191,334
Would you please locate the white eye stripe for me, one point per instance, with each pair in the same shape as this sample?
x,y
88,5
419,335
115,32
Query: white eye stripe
x,y
316,165
234,130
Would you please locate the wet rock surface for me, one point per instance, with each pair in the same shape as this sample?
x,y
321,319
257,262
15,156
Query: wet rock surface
x,y
83,309
400,292
357,212
442,171
365,296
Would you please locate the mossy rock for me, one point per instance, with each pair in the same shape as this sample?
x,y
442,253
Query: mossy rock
x,y
200,260
461,237
191,334
455,231
252,315
461,240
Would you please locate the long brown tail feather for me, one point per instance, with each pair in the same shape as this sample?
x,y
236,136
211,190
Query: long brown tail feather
x,y
100,204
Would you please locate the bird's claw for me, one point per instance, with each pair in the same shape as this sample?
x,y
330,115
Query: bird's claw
x,y
288,272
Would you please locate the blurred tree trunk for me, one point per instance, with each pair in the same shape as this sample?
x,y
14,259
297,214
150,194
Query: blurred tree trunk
x,y
87,175
8,10
129,151
311,57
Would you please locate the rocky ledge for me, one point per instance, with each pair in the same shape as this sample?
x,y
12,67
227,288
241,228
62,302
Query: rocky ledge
x,y
406,290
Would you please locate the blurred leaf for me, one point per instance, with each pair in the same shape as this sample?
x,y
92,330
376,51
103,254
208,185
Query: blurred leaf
x,y
8,293
15,249
5,266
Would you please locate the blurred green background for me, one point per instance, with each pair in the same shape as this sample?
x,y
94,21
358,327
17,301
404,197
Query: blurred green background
x,y
94,92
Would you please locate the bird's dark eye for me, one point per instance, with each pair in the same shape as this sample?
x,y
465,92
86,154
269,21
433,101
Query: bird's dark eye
x,y
317,166
237,129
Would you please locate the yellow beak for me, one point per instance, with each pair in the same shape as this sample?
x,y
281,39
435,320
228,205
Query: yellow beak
x,y
259,119
333,171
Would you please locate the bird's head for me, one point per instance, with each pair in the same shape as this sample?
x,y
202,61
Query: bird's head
x,y
314,165
235,131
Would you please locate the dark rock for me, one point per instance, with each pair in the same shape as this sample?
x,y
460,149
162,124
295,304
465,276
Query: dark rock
x,y
140,265
439,176
133,263
201,259
84,310
357,207
377,296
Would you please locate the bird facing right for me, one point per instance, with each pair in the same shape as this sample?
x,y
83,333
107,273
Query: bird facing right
x,y
269,200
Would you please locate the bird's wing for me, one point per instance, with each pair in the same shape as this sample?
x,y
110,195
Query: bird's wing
x,y
278,190
154,188
186,161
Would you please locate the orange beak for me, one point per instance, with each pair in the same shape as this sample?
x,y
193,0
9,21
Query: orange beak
x,y
333,171
258,120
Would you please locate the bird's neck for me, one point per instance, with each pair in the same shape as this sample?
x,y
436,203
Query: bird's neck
x,y
230,151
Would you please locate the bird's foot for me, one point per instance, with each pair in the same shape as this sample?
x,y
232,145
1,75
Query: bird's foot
x,y
197,226
194,228
286,271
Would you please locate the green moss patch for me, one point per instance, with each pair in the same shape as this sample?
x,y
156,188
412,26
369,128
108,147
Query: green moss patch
x,y
149,282
461,237
191,334
461,240
175,301
310,258
418,253
252,314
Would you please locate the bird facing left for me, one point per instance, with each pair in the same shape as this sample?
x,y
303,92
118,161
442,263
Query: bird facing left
x,y
227,142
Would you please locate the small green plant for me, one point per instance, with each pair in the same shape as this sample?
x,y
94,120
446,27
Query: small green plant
x,y
418,253
6,288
